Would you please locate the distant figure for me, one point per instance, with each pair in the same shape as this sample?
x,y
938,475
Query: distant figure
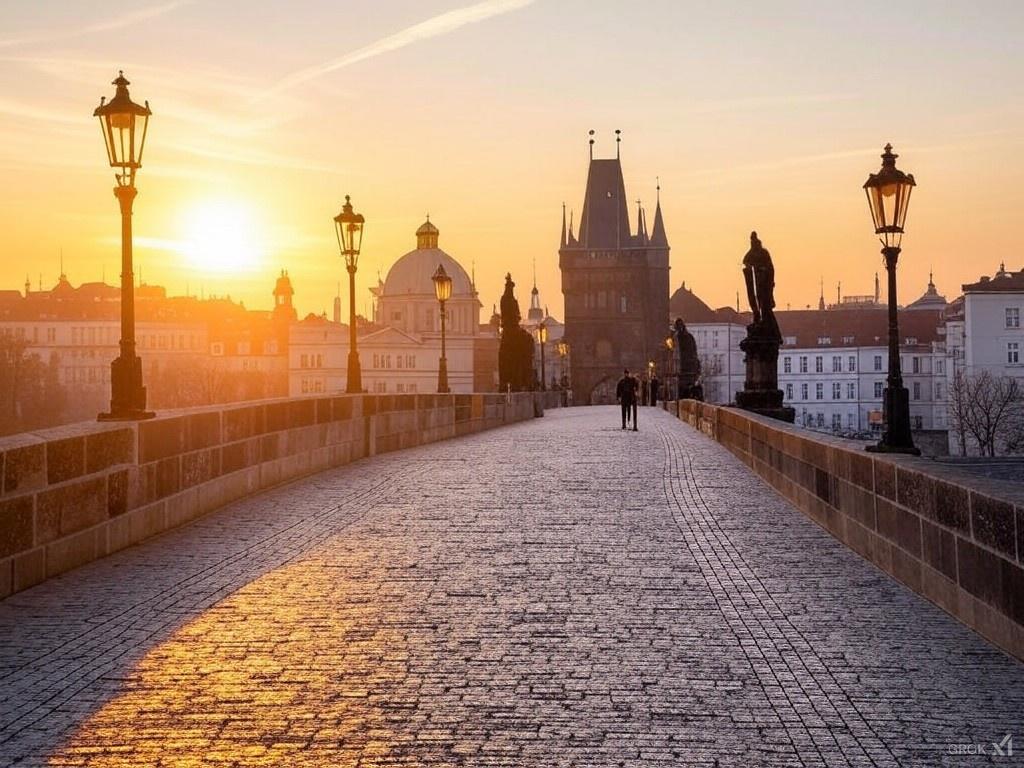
x,y
645,390
655,386
626,393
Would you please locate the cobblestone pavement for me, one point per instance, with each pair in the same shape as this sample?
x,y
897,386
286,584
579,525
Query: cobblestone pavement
x,y
553,593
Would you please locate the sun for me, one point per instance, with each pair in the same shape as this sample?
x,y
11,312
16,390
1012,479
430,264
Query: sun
x,y
222,236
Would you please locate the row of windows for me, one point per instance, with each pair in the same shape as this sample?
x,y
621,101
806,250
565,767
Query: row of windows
x,y
916,364
818,420
311,361
381,387
312,386
851,390
401,361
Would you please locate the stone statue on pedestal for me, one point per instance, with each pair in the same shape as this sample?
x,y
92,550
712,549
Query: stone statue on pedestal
x,y
761,393
515,351
689,363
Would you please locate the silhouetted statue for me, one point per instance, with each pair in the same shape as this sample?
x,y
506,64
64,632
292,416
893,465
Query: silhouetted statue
x,y
761,392
689,363
759,275
515,352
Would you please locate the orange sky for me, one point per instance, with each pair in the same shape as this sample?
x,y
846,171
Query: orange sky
x,y
267,114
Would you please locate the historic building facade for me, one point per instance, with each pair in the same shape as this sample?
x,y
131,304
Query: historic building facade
x,y
616,286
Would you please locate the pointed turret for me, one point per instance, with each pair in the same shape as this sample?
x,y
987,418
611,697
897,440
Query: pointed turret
x,y
658,236
572,237
564,241
641,235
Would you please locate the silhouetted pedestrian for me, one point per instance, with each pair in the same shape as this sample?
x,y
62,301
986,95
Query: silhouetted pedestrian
x,y
626,393
655,386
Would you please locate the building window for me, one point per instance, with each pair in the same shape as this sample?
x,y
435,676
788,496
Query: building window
x,y
304,361
851,391
820,419
803,391
851,421
819,391
1013,317
938,390
789,391
918,422
819,364
916,364
837,422
824,341
319,361
837,390
851,364
410,361
910,341
837,364
878,390
787,365
622,304
380,386
803,364
1012,352
847,339
789,341
305,386
878,362
917,390
714,339
940,366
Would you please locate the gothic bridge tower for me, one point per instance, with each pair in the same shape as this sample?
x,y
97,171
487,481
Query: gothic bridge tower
x,y
615,282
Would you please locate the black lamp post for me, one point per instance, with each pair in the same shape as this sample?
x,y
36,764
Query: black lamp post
x,y
888,193
667,373
542,336
563,353
349,228
443,291
124,124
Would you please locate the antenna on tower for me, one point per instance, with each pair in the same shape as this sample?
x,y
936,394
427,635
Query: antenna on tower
x,y
657,188
618,140
591,143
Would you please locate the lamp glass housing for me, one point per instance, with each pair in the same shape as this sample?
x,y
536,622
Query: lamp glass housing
x,y
888,193
123,124
349,226
442,284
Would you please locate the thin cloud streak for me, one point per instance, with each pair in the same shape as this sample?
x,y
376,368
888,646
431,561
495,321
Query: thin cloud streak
x,y
433,27
759,102
118,22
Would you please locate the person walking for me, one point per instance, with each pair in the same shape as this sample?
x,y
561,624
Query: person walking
x,y
655,386
625,393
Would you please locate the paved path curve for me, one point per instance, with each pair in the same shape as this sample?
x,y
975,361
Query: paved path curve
x,y
556,593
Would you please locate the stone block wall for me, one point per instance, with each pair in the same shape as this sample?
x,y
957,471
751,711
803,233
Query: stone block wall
x,y
955,539
73,494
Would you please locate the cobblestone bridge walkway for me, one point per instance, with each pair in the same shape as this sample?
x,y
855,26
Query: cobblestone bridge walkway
x,y
548,594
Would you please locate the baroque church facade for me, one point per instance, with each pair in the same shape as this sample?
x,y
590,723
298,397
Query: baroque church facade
x,y
616,285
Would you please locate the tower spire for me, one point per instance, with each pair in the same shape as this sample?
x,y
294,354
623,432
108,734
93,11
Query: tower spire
x,y
658,237
821,295
564,242
618,141
591,143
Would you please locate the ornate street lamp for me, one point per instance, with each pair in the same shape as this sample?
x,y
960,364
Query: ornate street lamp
x,y
563,353
542,336
443,291
349,228
124,124
888,193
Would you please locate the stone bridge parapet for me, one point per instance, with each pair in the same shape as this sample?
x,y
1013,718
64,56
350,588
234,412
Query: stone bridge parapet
x,y
956,539
74,494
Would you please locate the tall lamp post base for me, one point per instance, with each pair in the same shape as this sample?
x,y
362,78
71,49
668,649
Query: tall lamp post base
x,y
896,438
128,395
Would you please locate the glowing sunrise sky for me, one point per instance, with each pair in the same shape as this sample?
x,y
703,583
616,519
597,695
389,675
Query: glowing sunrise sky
x,y
757,115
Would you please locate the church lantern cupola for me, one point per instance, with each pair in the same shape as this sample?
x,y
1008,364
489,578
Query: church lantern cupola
x,y
426,235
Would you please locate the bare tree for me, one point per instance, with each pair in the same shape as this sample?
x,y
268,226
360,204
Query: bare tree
x,y
989,410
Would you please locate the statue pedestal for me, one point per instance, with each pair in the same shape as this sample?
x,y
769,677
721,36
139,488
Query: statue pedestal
x,y
761,393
